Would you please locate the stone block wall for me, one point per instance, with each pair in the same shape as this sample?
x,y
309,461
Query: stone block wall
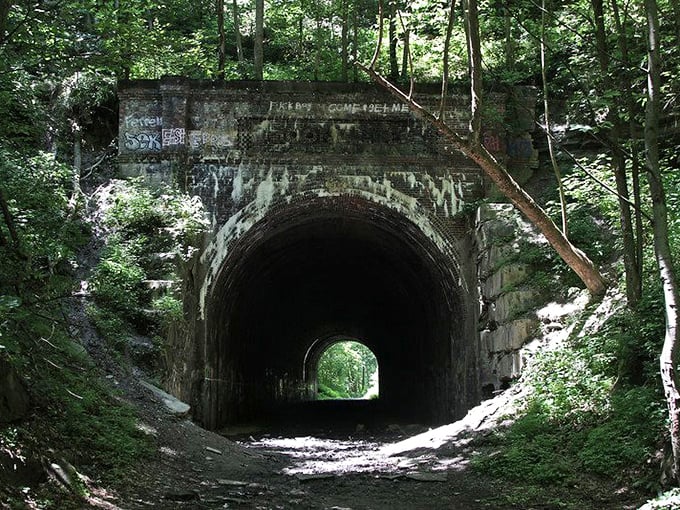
x,y
505,295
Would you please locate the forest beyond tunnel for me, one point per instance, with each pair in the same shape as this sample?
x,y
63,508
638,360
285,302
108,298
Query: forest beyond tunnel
x,y
327,269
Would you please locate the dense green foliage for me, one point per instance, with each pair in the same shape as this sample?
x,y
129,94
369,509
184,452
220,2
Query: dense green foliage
x,y
151,231
347,369
583,416
595,406
72,410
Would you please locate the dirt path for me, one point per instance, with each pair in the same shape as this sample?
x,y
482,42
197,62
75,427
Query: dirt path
x,y
197,469
391,467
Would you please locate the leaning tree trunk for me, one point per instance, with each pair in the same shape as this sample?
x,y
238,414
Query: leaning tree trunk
x,y
470,147
669,353
575,258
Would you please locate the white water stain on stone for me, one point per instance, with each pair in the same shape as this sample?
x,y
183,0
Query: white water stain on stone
x,y
284,183
379,192
265,192
237,188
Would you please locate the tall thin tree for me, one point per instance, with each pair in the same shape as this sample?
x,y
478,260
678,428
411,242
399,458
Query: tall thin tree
x,y
221,39
237,31
613,141
258,50
546,116
344,40
668,361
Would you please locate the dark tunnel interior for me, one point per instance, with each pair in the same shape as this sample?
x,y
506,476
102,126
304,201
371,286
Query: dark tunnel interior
x,y
292,283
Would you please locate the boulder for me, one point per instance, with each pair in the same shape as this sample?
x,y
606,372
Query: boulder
x,y
173,405
20,469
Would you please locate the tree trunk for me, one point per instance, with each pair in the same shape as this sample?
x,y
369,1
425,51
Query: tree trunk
x,y
9,222
77,168
475,60
675,5
237,32
546,114
5,6
258,58
318,41
394,40
509,41
668,360
574,257
626,86
355,43
405,57
344,42
445,62
221,40
633,278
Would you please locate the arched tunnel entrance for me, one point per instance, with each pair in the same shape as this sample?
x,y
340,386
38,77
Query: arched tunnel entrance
x,y
323,267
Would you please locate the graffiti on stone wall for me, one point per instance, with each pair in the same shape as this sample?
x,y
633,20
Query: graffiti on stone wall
x,y
135,121
210,140
381,108
520,149
335,108
143,142
289,106
492,142
173,137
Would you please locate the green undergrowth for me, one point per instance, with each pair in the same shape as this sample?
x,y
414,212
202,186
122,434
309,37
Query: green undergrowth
x,y
151,232
594,412
73,414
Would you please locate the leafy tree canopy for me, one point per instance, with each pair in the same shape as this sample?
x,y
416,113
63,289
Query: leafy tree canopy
x,y
347,369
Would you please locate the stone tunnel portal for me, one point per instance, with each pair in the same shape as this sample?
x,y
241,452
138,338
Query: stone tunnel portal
x,y
333,266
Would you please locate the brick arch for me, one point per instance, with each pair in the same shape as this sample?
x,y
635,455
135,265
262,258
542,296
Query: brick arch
x,y
338,190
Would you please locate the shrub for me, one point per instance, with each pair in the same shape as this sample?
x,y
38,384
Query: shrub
x,y
581,417
152,230
118,281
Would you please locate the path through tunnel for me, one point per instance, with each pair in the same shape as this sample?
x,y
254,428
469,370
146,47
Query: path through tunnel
x,y
328,268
